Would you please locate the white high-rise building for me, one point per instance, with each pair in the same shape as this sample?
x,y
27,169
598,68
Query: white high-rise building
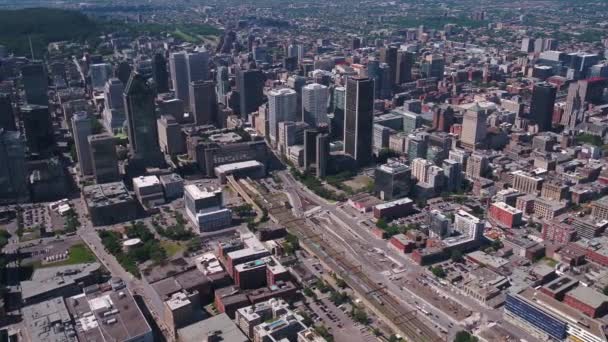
x,y
314,104
100,73
282,106
468,224
82,128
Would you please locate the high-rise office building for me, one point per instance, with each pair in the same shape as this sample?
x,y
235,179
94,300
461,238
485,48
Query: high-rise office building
x,y
179,76
103,157
337,123
198,65
113,91
222,84
417,146
250,86
388,55
13,173
443,119
452,170
433,66
392,180
7,115
473,127
203,102
160,73
141,120
282,106
527,45
35,83
405,62
123,71
170,136
359,119
310,147
477,165
385,85
100,74
38,128
322,154
314,104
82,128
541,105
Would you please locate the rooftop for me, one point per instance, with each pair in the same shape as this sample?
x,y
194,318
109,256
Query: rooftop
x,y
199,191
588,296
108,316
238,166
106,194
145,181
49,321
221,327
52,278
395,203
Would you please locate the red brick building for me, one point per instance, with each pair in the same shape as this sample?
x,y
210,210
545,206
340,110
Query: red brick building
x,y
588,301
505,215
401,243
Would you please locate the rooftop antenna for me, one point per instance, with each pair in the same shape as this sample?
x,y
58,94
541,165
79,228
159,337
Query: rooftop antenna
x,y
31,46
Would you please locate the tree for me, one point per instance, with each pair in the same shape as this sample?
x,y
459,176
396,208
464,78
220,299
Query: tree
x,y
438,272
605,290
465,336
457,256
381,223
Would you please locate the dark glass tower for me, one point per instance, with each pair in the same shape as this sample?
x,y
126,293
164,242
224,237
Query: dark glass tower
x,y
359,119
405,62
250,86
141,119
541,106
35,83
7,116
159,70
38,128
203,102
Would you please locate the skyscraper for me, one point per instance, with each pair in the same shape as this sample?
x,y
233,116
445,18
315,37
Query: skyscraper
x,y
13,173
7,116
388,55
198,65
82,128
35,83
433,66
473,127
203,102
310,147
405,62
359,119
322,156
452,170
103,158
179,76
250,86
38,128
314,104
100,74
541,106
222,84
113,91
141,120
159,72
337,124
282,106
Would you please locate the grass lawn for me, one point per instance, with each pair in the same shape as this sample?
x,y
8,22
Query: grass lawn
x,y
550,262
171,247
79,254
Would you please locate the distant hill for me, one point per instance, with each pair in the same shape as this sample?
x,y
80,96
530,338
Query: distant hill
x,y
42,25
